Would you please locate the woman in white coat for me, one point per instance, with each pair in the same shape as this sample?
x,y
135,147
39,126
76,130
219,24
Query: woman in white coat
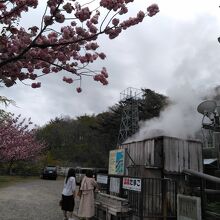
x,y
87,201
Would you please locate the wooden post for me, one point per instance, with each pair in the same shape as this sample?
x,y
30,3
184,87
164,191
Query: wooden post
x,y
142,199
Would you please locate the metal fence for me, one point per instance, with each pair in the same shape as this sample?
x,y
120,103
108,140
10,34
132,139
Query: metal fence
x,y
207,187
152,198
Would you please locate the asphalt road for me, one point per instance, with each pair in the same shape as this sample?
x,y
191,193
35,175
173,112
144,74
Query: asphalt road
x,y
33,200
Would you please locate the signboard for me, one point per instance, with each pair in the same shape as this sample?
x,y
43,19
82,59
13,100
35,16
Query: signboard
x,y
114,185
102,179
188,207
131,184
116,162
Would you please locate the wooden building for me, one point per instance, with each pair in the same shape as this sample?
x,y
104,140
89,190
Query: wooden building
x,y
160,156
162,159
157,164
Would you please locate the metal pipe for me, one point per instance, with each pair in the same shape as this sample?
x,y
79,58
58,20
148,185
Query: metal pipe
x,y
202,175
209,191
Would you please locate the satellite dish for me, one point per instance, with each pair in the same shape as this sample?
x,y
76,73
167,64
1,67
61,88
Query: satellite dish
x,y
207,107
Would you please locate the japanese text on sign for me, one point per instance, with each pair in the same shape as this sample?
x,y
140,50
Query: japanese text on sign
x,y
131,184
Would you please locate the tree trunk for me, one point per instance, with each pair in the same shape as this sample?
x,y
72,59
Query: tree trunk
x,y
9,171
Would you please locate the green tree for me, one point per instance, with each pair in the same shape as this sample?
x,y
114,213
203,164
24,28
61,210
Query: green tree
x,y
87,140
152,104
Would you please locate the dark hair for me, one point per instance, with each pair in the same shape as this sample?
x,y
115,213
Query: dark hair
x,y
71,172
89,173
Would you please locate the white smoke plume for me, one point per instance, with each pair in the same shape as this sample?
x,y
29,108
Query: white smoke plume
x,y
195,78
180,119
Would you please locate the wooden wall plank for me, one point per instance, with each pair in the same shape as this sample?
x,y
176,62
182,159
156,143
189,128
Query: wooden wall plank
x,y
178,154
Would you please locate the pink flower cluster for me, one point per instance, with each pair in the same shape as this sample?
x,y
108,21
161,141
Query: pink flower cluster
x,y
71,47
67,80
79,89
68,8
102,77
91,46
114,4
18,142
133,21
36,85
10,12
153,10
83,14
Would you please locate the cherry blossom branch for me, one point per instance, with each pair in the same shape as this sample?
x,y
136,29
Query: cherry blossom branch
x,y
73,46
88,3
13,11
104,20
42,20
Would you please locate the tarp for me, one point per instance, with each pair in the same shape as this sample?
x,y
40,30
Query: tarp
x,y
209,161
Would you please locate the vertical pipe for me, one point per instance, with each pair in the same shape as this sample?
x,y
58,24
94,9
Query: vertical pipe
x,y
141,199
108,185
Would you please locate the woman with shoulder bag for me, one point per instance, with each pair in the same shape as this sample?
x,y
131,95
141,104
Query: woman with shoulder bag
x,y
68,194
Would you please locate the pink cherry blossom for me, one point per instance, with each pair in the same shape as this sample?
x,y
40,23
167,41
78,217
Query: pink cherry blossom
x,y
102,56
83,14
18,141
36,85
68,7
67,80
79,89
153,10
60,18
115,21
48,20
54,46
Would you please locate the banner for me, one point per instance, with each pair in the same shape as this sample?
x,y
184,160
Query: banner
x,y
132,184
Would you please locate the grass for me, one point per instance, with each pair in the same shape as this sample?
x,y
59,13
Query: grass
x,y
10,180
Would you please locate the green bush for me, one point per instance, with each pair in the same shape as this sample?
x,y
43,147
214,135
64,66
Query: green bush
x,y
214,207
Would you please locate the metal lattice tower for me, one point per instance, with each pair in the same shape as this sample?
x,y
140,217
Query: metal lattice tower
x,y
130,114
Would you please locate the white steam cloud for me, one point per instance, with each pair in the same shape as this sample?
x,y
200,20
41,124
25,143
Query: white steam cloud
x,y
180,119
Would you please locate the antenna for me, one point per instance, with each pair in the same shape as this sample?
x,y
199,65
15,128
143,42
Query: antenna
x,y
210,109
211,130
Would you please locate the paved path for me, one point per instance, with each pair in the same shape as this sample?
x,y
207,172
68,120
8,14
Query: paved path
x,y
33,200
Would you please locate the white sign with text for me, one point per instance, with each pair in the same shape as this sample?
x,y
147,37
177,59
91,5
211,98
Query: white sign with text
x,y
132,184
102,179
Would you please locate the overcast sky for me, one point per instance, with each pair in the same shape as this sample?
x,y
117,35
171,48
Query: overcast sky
x,y
176,47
